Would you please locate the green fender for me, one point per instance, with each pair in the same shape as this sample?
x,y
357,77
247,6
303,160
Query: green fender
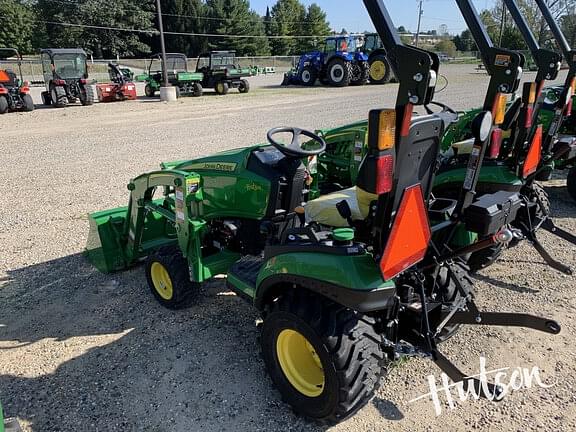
x,y
351,280
1,419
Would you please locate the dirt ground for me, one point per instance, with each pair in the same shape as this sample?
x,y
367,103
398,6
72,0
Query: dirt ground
x,y
83,351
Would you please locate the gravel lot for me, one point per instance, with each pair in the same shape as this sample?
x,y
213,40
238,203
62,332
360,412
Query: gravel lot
x,y
83,351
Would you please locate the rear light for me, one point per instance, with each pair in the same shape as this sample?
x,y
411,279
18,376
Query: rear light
x,y
385,174
495,143
534,154
25,89
387,130
82,81
406,120
410,234
569,108
499,109
59,82
529,114
3,90
532,94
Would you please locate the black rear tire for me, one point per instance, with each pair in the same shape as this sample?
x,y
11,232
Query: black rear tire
x,y
149,91
344,347
380,71
169,280
3,105
339,72
58,97
360,74
308,76
86,95
46,99
28,103
571,182
244,86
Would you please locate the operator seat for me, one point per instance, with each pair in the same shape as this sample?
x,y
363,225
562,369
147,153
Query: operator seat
x,y
415,163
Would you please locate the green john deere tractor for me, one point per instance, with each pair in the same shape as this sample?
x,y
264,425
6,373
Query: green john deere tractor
x,y
222,72
186,83
338,304
513,160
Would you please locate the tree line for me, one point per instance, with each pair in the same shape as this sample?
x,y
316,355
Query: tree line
x,y
31,25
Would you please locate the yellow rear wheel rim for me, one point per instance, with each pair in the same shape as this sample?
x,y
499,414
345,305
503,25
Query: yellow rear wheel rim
x,y
300,363
161,281
378,70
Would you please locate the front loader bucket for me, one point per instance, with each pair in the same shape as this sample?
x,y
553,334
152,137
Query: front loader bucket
x,y
105,245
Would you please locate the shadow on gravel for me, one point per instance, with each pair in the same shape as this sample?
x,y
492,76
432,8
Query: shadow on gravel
x,y
388,409
506,285
84,351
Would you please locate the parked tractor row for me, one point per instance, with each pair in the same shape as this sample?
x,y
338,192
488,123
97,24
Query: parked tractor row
x,y
343,61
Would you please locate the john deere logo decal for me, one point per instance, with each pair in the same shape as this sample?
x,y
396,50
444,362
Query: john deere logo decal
x,y
215,166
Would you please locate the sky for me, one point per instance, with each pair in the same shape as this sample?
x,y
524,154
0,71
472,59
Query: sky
x,y
352,15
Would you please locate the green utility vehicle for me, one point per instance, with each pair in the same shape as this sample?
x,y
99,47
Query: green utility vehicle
x,y
222,72
187,83
338,304
66,77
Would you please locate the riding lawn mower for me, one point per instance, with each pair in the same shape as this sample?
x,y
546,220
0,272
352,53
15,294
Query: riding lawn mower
x,y
14,92
338,304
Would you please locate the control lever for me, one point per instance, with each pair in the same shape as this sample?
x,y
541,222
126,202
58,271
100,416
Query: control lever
x,y
344,210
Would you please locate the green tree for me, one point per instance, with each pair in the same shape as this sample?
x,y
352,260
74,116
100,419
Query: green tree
x,y
126,14
568,24
287,20
18,25
184,16
315,24
446,46
234,17
464,41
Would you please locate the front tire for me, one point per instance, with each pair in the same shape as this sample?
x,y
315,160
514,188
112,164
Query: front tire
x,y
339,72
380,72
326,360
308,76
197,90
571,182
169,280
244,86
222,88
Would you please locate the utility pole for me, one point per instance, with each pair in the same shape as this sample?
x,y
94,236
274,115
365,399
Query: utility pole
x,y
502,23
420,13
162,45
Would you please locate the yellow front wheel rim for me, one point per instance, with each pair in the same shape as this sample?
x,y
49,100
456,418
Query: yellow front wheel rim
x,y
300,363
161,281
378,70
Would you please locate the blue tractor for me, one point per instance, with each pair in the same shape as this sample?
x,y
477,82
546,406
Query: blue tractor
x,y
339,64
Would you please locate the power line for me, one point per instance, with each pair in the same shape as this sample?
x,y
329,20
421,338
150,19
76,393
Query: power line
x,y
155,32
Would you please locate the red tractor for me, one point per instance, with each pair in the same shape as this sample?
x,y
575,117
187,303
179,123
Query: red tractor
x,y
14,91
120,88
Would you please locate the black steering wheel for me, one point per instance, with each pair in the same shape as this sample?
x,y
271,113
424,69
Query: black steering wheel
x,y
295,149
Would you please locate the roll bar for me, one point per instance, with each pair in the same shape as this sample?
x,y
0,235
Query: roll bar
x,y
503,66
555,28
547,62
416,69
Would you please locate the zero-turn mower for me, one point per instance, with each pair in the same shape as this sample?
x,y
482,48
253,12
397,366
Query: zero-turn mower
x,y
66,77
120,88
14,91
338,304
